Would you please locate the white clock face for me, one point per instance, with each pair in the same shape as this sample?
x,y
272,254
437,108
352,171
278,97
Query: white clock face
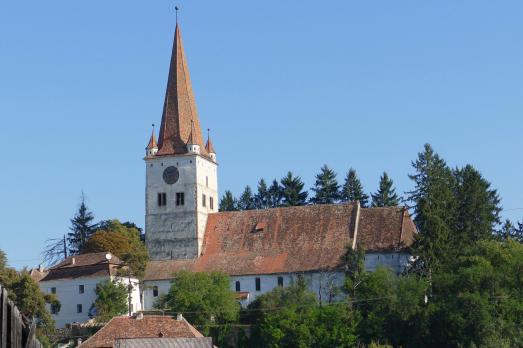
x,y
171,175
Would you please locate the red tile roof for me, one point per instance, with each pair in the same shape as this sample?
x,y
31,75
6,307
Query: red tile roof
x,y
293,239
149,326
85,265
179,106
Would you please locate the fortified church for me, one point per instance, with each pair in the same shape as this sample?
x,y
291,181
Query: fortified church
x,y
258,249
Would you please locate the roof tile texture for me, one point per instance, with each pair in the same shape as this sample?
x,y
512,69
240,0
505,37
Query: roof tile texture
x,y
148,327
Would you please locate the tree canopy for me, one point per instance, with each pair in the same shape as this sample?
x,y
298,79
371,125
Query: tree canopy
x,y
386,195
292,190
352,189
326,188
82,228
111,300
123,240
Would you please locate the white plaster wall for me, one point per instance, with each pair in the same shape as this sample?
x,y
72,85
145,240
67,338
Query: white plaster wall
x,y
148,298
397,261
67,291
178,230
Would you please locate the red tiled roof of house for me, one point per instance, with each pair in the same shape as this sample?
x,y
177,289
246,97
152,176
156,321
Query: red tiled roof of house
x,y
292,239
179,106
85,265
150,326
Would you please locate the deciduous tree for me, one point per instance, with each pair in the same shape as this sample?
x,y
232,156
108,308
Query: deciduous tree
x,y
111,300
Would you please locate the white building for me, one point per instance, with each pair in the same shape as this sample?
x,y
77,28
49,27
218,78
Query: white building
x,y
259,249
74,281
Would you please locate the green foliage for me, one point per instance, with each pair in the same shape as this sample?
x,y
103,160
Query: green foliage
x,y
124,241
291,317
326,187
246,201
386,195
262,197
352,189
478,208
228,202
28,297
275,194
292,190
111,300
81,228
434,203
205,299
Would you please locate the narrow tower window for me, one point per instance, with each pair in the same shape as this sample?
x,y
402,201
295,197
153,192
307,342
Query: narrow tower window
x,y
180,198
211,203
162,199
207,181
204,199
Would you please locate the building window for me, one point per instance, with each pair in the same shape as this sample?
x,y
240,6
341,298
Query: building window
x,y
238,285
54,309
155,291
81,289
162,199
204,200
211,203
53,290
180,198
280,282
258,284
207,181
78,308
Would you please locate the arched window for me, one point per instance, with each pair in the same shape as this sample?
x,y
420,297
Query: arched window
x,y
238,285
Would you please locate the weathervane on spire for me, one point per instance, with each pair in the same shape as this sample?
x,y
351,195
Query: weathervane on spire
x,y
176,8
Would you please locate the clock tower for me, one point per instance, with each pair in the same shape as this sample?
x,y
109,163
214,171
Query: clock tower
x,y
181,172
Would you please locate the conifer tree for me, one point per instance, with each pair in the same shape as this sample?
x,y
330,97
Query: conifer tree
x,y
275,194
478,208
292,190
246,200
326,187
386,195
352,189
81,228
228,202
262,196
434,205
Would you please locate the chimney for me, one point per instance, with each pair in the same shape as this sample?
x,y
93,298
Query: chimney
x,y
179,317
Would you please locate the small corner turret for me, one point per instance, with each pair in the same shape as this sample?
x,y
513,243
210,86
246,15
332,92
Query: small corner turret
x,y
209,146
192,146
152,146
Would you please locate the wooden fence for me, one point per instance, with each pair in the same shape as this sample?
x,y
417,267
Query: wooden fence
x,y
14,330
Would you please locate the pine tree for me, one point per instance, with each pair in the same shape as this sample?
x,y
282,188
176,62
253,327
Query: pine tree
x,y
326,187
262,196
246,201
275,194
386,195
228,202
292,190
478,207
81,228
352,189
434,205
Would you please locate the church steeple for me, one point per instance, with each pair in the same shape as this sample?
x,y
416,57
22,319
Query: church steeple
x,y
152,146
180,115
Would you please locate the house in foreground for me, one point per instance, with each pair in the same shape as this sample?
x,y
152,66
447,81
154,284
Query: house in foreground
x,y
258,249
147,331
74,282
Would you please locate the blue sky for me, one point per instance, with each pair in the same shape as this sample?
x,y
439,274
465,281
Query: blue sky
x,y
284,85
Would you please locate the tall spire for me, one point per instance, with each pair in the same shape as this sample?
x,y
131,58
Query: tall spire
x,y
152,141
179,109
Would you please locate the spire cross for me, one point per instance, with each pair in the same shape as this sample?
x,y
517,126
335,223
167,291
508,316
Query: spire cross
x,y
208,133
176,8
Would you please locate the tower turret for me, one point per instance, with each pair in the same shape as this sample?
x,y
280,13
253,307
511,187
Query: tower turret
x,y
209,146
192,145
152,146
